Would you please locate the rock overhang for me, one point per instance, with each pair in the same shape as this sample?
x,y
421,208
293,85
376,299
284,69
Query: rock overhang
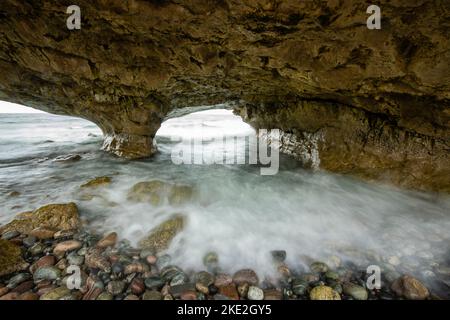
x,y
379,98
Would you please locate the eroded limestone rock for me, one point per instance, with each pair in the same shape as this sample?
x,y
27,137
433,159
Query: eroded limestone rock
x,y
97,182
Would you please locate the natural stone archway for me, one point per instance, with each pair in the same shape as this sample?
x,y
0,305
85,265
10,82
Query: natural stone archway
x,y
369,102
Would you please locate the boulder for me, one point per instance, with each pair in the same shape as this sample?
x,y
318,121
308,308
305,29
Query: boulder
x,y
97,182
52,217
156,192
410,288
160,237
324,293
10,258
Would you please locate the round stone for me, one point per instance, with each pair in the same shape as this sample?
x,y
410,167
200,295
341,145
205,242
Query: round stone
x,y
255,293
180,278
151,259
154,282
318,267
137,286
63,234
10,235
243,289
37,249
278,255
299,286
332,275
44,261
273,294
204,278
28,296
82,251
394,260
355,291
65,246
62,264
391,276
56,294
135,267
146,252
333,261
324,293
163,261
117,268
43,233
108,241
24,287
245,276
228,291
167,273
116,287
29,241
223,279
410,288
444,270
105,296
310,278
211,258
283,270
152,295
18,279
189,295
337,287
46,273
75,259
212,289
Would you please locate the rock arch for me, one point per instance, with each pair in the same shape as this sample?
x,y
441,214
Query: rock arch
x,y
377,99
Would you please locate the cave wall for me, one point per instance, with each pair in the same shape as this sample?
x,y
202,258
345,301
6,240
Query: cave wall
x,y
374,103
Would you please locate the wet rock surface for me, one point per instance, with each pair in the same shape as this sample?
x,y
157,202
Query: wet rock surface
x,y
49,219
97,182
10,258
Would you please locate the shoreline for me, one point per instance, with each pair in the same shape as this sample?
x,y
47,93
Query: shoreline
x,y
44,261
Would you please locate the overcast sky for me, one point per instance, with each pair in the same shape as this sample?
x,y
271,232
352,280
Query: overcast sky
x,y
7,107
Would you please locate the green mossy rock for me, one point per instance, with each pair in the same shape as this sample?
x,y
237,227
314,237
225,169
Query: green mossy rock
x,y
10,258
160,237
55,217
156,191
97,182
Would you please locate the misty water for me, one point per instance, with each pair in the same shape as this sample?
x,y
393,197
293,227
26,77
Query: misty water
x,y
237,213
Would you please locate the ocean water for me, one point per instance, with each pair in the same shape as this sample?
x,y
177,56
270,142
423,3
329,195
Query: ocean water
x,y
238,213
